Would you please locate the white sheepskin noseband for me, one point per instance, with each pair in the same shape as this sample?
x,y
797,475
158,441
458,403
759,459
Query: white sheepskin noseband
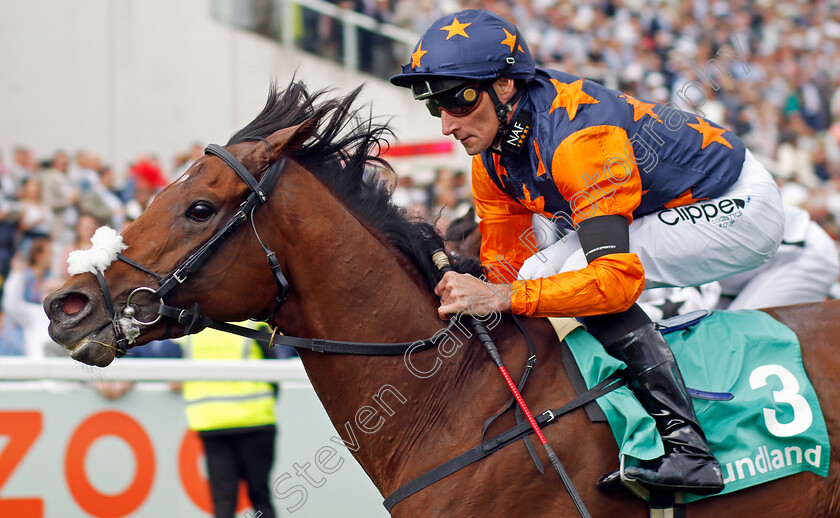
x,y
106,245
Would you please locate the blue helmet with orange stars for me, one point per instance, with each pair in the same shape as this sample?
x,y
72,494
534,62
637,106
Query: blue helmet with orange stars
x,y
472,45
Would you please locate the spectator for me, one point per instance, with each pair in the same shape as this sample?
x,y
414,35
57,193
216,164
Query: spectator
x,y
148,179
36,219
60,195
9,216
12,342
28,283
22,167
235,421
183,162
406,194
109,195
83,173
85,228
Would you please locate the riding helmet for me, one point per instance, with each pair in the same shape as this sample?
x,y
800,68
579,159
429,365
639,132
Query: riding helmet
x,y
474,44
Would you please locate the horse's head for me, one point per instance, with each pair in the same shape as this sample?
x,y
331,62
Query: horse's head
x,y
198,222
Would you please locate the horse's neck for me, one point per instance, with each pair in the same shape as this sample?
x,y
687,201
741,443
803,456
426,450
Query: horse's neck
x,y
349,285
346,282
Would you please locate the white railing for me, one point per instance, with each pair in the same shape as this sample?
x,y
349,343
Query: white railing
x,y
146,369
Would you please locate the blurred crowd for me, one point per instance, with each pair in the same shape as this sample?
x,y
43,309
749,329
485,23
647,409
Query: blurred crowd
x,y
50,207
782,99
777,86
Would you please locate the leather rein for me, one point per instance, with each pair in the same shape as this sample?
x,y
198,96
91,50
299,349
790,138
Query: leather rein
x,y
126,328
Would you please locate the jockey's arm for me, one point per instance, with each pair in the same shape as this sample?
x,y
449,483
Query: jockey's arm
x,y
613,278
506,241
591,170
610,283
507,238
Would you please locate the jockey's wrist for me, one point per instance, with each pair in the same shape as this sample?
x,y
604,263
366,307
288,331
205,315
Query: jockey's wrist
x,y
502,294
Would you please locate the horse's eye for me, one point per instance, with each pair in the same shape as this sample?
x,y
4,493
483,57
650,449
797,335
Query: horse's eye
x,y
200,211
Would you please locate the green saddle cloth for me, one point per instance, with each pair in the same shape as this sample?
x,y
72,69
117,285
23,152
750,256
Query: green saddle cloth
x,y
771,429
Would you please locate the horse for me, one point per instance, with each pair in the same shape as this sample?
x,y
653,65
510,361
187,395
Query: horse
x,y
359,269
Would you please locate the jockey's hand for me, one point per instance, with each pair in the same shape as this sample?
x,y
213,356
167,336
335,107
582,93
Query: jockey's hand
x,y
460,291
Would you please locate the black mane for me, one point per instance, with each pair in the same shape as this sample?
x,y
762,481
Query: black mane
x,y
342,147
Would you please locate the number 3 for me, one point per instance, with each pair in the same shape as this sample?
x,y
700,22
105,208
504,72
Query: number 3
x,y
802,415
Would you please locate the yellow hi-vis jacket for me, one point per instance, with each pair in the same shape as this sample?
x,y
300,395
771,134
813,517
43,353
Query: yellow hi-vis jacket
x,y
217,405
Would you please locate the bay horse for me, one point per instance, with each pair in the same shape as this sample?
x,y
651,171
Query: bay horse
x,y
359,269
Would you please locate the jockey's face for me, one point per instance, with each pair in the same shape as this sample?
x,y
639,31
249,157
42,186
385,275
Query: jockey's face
x,y
477,129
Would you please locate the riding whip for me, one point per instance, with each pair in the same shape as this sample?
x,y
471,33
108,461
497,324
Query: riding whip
x,y
441,260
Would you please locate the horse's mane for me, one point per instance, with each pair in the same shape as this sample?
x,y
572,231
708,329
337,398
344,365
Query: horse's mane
x,y
343,147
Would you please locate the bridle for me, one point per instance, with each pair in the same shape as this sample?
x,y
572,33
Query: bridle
x,y
126,325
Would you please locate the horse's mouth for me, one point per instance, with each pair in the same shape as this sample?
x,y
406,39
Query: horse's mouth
x,y
96,349
81,326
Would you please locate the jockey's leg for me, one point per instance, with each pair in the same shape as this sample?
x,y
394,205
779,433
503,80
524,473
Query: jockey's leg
x,y
682,246
688,464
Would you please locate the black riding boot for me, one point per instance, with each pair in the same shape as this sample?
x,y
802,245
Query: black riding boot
x,y
688,464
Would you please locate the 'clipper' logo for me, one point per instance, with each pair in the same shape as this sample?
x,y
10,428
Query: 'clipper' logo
x,y
723,213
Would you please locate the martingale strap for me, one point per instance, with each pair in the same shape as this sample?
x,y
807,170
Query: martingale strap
x,y
498,442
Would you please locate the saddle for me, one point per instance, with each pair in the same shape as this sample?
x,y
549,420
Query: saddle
x,y
756,362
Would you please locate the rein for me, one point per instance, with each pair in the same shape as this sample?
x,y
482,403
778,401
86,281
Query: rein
x,y
318,345
126,330
494,444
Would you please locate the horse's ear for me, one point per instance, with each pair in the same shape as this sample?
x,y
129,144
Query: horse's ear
x,y
290,138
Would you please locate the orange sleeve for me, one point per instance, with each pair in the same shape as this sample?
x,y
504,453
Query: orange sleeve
x,y
507,238
593,172
609,284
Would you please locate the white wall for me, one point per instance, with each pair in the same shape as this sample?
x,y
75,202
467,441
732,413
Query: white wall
x,y
123,77
157,413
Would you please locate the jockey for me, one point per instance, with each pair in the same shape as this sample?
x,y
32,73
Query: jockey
x,y
655,197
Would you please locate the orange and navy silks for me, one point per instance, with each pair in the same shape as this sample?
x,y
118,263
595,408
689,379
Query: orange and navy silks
x,y
593,152
609,284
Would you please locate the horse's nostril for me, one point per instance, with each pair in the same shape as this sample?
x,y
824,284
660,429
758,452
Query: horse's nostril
x,y
73,303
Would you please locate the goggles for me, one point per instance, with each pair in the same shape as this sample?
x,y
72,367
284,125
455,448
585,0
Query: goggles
x,y
451,94
456,102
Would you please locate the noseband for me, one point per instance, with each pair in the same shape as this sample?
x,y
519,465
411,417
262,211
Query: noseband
x,y
126,325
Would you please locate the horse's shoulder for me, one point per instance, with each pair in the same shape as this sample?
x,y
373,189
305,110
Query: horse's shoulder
x,y
810,318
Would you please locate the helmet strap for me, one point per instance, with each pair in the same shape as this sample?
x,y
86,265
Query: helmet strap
x,y
502,111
